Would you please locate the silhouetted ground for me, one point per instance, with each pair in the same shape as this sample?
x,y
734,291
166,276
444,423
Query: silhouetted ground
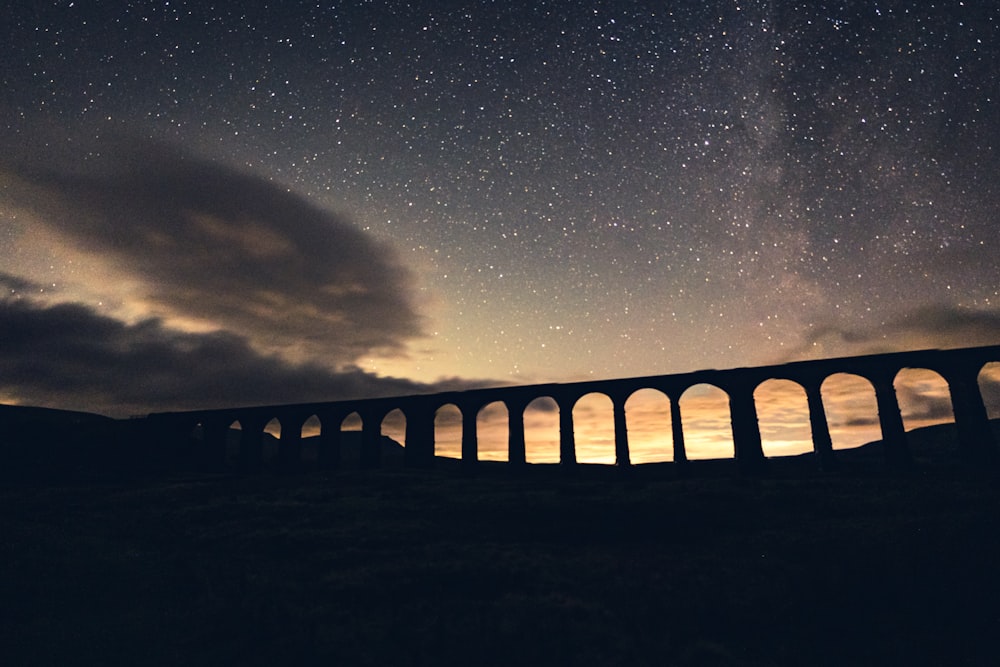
x,y
432,568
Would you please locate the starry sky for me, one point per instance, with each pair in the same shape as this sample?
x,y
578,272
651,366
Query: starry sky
x,y
235,203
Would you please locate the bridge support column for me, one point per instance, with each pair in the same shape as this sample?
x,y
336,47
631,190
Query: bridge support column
x,y
746,431
567,439
897,451
622,456
371,440
329,445
822,442
216,434
677,431
419,452
251,444
470,439
290,445
516,454
975,437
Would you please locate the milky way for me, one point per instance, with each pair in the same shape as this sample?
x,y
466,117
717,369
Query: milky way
x,y
556,190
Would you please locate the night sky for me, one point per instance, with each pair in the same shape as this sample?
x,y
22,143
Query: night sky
x,y
208,204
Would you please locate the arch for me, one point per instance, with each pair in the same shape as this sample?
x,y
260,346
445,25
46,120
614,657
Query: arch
x,y
393,438
708,426
851,410
349,450
647,416
448,431
312,427
924,398
270,441
273,427
594,428
541,430
989,388
783,417
352,422
493,431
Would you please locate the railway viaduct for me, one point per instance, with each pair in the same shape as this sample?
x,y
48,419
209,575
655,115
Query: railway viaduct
x,y
960,369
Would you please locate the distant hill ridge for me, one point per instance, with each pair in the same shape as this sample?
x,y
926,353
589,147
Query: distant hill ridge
x,y
10,414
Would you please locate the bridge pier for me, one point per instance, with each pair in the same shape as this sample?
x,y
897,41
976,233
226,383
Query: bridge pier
x,y
567,439
818,424
975,437
251,443
371,439
897,450
746,430
516,454
216,436
677,431
622,457
290,444
419,452
470,439
329,445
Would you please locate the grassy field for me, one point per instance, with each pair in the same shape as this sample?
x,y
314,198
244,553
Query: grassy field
x,y
434,568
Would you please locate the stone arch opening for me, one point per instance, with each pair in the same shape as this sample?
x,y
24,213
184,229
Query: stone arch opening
x,y
541,430
708,424
311,430
594,428
924,398
352,422
493,431
989,388
851,410
448,431
647,418
393,438
271,441
351,428
783,418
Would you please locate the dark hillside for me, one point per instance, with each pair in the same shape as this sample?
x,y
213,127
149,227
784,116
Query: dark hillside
x,y
435,568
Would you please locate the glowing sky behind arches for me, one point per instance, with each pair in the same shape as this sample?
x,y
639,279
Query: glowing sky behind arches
x,y
224,203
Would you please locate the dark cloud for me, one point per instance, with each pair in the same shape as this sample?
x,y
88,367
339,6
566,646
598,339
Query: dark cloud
x,y
934,326
865,421
990,389
68,356
11,284
229,248
917,405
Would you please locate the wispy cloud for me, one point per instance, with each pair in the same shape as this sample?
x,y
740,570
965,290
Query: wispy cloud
x,y
225,249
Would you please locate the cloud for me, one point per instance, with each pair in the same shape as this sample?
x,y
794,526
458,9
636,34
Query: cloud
x,y
11,284
69,356
220,248
933,326
918,403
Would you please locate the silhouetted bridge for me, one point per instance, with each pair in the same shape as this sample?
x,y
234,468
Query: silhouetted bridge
x,y
960,369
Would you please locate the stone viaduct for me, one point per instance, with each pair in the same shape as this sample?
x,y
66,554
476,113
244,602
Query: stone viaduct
x,y
960,368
